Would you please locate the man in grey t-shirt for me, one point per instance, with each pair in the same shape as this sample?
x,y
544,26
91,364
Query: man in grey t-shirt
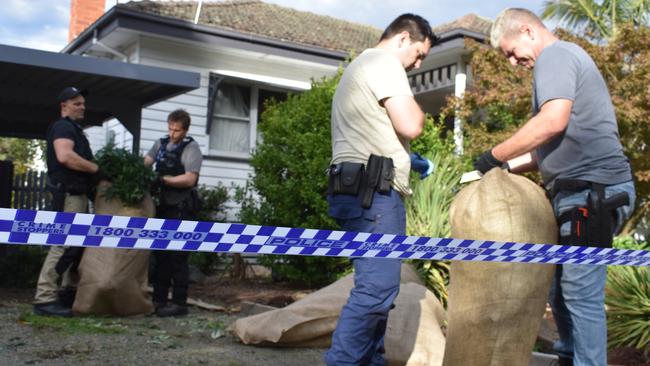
x,y
573,140
178,163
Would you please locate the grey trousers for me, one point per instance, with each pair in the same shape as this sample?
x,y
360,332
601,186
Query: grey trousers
x,y
46,288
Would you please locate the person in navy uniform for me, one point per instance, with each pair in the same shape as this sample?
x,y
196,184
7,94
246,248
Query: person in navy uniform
x,y
177,158
71,174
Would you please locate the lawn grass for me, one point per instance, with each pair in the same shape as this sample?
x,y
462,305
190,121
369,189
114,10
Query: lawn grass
x,y
74,325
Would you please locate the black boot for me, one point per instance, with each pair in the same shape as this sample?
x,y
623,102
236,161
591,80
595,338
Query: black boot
x,y
52,309
565,361
172,309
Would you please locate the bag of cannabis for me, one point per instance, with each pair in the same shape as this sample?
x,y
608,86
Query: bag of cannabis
x,y
495,309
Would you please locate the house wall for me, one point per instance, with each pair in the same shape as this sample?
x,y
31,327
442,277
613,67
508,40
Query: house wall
x,y
227,171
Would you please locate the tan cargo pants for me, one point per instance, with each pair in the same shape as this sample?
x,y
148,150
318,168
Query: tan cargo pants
x,y
46,288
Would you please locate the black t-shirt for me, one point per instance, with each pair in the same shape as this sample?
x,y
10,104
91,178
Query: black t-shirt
x,y
71,180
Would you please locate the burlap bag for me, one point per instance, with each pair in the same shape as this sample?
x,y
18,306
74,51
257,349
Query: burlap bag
x,y
413,328
495,309
114,281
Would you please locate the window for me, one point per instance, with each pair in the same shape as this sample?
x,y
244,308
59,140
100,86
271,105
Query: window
x,y
231,119
235,107
263,97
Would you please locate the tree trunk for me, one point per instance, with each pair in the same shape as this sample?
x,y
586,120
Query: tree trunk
x,y
238,269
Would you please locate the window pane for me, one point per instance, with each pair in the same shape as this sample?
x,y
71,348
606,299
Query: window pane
x,y
228,132
232,100
229,135
265,95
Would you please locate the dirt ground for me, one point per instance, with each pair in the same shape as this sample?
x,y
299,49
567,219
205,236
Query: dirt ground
x,y
201,338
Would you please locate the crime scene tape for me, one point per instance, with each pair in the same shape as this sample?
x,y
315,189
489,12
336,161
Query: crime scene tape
x,y
27,227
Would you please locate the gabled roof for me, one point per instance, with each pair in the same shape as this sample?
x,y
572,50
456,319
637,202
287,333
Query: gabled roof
x,y
269,20
470,22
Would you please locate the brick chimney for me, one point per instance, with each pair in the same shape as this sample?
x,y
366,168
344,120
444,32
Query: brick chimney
x,y
82,14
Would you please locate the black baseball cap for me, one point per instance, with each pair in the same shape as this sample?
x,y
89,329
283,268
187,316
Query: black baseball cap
x,y
69,93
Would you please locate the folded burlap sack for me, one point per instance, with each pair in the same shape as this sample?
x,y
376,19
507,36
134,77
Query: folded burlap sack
x,y
495,309
413,332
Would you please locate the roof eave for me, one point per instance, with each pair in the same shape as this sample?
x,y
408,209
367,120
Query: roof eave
x,y
110,20
454,33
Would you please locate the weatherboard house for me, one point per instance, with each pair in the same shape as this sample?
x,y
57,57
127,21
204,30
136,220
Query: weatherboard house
x,y
245,51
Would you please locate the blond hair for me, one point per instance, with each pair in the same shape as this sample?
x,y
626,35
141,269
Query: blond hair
x,y
508,23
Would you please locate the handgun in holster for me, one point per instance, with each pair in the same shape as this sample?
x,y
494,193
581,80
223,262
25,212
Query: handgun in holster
x,y
378,178
593,225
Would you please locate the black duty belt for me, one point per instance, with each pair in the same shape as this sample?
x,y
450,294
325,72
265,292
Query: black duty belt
x,y
592,224
357,179
574,185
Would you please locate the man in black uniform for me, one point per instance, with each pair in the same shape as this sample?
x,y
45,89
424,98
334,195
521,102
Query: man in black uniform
x,y
178,161
70,172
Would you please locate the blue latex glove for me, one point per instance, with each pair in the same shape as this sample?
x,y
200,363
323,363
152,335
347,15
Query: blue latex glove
x,y
421,165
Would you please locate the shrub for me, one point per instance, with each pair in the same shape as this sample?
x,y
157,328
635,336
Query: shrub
x,y
20,266
213,207
213,203
289,186
130,177
628,301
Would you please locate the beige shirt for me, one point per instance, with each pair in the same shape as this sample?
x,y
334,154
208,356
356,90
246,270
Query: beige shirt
x,y
360,125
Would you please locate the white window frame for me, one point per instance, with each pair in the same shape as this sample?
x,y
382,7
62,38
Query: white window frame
x,y
255,84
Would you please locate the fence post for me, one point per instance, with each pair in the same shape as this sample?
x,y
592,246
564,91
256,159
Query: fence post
x,y
6,186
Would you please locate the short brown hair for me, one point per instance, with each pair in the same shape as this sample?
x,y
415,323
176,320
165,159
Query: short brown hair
x,y
180,115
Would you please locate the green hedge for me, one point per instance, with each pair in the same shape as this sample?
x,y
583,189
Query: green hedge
x,y
289,186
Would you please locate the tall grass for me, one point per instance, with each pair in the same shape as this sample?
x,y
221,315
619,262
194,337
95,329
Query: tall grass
x,y
628,301
427,214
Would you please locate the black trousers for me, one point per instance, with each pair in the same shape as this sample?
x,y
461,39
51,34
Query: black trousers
x,y
171,268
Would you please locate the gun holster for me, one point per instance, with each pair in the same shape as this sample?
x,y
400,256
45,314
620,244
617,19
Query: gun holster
x,y
345,178
355,179
593,225
378,178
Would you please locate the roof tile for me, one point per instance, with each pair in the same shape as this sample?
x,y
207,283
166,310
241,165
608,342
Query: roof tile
x,y
471,22
273,21
270,20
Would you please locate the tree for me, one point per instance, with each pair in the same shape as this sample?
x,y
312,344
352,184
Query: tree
x,y
24,153
598,20
498,101
625,64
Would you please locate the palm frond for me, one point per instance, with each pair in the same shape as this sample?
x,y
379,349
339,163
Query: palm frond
x,y
628,306
427,213
579,14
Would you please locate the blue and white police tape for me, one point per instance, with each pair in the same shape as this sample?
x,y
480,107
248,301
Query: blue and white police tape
x,y
26,227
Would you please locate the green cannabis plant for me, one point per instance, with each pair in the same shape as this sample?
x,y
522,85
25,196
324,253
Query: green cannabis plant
x,y
131,179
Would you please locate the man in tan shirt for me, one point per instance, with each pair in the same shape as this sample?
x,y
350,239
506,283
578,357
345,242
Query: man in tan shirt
x,y
374,113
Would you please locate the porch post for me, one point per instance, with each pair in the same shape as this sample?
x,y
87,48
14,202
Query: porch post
x,y
460,84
